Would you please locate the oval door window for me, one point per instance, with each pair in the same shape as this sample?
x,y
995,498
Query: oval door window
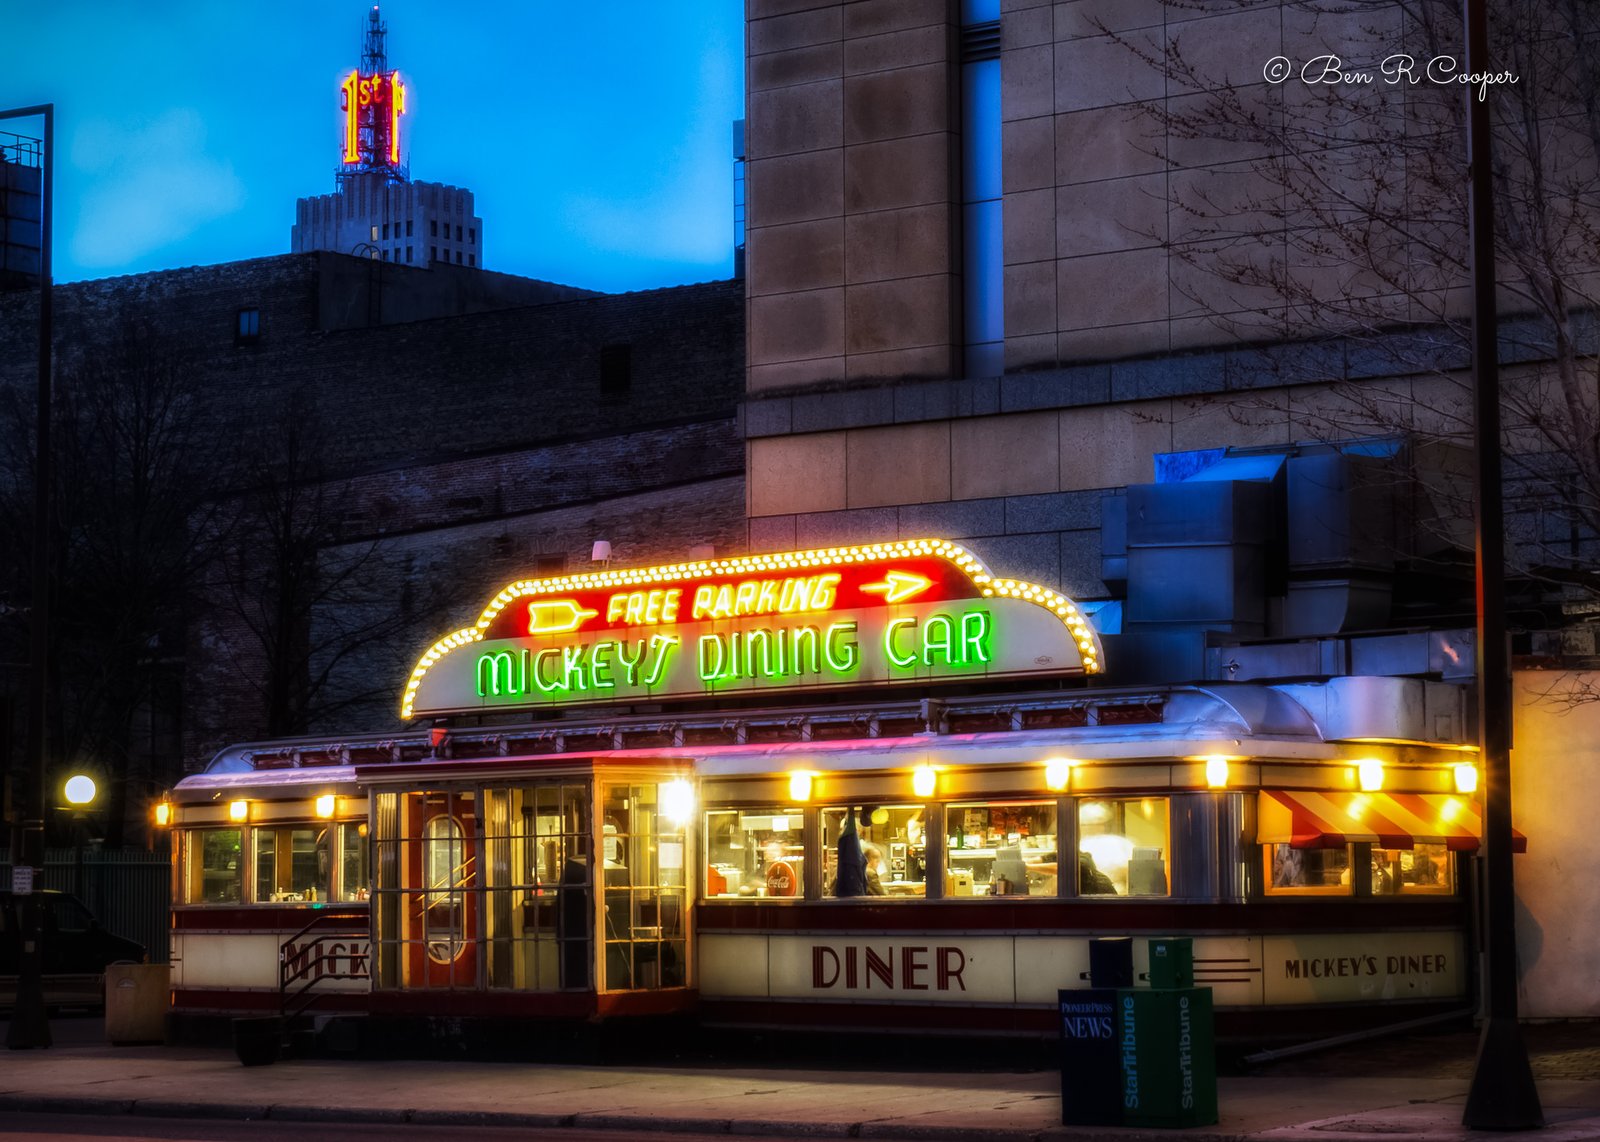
x,y
441,863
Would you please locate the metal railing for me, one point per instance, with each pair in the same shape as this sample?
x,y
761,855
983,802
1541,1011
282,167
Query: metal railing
x,y
305,960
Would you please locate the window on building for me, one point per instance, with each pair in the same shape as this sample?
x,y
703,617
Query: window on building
x,y
292,863
433,227
1000,850
458,231
408,253
386,255
753,853
1122,846
1424,868
408,231
355,870
213,863
247,327
616,370
374,236
538,924
1307,872
892,841
982,252
385,231
646,892
472,234
458,257
433,253
472,259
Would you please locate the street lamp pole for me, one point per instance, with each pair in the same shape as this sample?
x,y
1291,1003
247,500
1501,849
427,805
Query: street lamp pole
x,y
1502,1095
30,1026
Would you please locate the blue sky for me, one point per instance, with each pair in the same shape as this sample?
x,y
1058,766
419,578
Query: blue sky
x,y
596,136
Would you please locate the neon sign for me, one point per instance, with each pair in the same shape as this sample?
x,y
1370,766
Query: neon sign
x,y
373,103
918,610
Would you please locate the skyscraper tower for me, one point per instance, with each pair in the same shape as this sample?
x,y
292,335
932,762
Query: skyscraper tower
x,y
374,100
377,211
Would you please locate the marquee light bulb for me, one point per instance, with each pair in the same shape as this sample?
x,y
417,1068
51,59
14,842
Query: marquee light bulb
x,y
325,805
1466,777
677,800
924,781
238,810
1369,772
1217,771
1057,774
800,786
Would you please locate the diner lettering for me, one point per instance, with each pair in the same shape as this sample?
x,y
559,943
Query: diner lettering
x,y
1344,967
911,967
797,652
316,959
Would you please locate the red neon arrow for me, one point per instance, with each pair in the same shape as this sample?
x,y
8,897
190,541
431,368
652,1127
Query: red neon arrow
x,y
557,616
898,585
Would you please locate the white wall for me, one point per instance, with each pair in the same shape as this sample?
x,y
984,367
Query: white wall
x,y
1555,773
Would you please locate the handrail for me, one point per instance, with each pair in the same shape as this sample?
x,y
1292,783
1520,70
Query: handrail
x,y
311,962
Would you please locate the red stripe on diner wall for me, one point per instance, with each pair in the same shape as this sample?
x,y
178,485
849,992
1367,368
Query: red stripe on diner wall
x,y
351,917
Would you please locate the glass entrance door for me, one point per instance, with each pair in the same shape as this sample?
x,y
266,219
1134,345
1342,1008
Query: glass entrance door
x,y
442,912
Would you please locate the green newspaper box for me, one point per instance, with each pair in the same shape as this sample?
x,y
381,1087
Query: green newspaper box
x,y
1172,962
1169,1066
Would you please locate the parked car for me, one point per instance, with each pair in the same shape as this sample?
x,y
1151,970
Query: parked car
x,y
76,950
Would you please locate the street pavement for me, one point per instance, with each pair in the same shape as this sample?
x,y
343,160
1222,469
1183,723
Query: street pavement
x,y
1412,1087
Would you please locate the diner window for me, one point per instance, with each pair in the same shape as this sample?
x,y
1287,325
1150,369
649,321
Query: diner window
x,y
1307,872
643,861
540,928
892,845
214,866
292,863
355,872
1000,850
755,853
1122,846
1424,869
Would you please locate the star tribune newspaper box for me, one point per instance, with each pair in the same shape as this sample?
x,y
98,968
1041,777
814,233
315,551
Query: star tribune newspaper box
x,y
1138,1056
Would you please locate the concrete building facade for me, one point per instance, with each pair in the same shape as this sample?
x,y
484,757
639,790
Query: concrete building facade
x,y
374,215
367,445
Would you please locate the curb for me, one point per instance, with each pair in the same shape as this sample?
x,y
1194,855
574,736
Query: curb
x,y
163,1108
502,1118
348,1114
64,1104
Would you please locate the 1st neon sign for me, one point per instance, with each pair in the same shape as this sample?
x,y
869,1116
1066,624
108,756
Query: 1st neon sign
x,y
377,101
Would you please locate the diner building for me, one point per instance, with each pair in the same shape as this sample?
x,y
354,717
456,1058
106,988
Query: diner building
x,y
881,785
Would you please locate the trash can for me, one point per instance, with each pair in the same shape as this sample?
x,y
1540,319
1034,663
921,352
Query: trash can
x,y
1168,1058
136,1003
1091,1074
257,1040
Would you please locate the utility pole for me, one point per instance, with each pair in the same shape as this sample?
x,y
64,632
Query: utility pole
x,y
1502,1095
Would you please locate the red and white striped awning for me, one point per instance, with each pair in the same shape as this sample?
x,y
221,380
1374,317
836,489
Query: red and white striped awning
x,y
1325,820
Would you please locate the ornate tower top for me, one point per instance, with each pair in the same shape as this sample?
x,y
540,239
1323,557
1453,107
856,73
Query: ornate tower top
x,y
374,98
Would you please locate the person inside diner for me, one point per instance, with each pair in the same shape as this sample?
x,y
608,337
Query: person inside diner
x,y
872,858
1091,881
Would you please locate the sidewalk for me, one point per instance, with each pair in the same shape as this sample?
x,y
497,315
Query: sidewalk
x,y
1412,1088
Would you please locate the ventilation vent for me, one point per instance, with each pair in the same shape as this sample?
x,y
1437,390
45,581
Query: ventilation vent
x,y
980,42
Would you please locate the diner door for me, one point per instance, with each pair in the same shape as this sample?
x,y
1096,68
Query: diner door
x,y
443,901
